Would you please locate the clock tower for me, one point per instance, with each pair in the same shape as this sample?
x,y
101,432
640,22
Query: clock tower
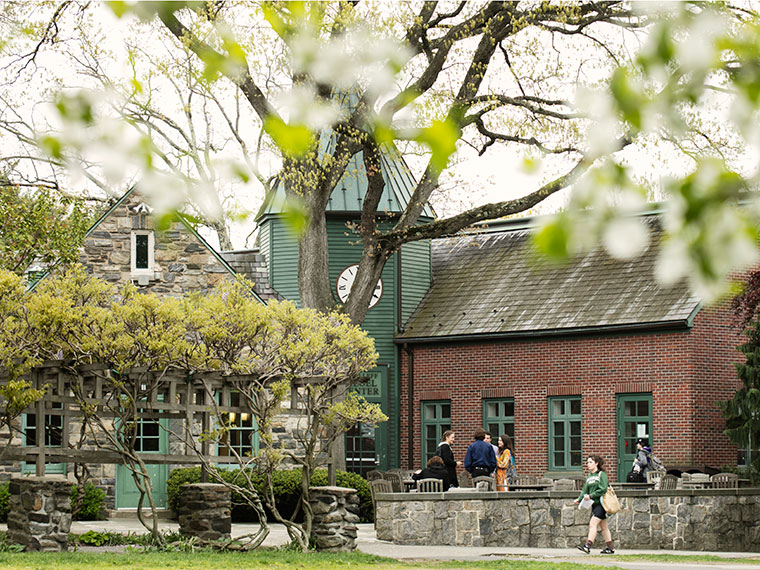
x,y
405,279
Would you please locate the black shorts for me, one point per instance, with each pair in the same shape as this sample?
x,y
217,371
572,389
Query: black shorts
x,y
480,472
598,511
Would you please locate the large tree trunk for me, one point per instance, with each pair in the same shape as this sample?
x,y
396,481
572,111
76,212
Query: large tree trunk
x,y
313,275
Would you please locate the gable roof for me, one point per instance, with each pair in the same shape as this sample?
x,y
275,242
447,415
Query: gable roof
x,y
494,284
183,219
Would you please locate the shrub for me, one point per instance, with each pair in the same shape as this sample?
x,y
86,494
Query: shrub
x,y
5,495
287,490
93,504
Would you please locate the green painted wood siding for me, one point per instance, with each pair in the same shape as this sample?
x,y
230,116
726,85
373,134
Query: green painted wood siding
x,y
283,261
264,247
380,323
416,275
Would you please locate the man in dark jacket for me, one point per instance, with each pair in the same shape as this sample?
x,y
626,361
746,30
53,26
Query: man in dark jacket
x,y
480,459
435,470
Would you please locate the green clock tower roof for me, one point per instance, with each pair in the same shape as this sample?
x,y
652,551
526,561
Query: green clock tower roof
x,y
349,193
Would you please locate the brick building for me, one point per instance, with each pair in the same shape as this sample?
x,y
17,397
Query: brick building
x,y
568,359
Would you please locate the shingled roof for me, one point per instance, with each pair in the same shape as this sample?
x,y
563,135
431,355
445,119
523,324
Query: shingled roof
x,y
494,284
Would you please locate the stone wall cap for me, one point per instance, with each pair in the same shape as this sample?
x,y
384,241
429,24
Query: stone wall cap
x,y
210,486
42,479
332,490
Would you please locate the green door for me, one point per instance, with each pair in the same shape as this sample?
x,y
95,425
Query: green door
x,y
634,420
367,445
152,437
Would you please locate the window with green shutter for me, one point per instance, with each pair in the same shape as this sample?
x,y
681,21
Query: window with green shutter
x,y
499,418
565,452
436,419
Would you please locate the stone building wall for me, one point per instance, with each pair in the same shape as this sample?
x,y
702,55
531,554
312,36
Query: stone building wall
x,y
714,520
182,263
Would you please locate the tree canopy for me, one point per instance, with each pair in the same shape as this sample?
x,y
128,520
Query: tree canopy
x,y
210,98
40,225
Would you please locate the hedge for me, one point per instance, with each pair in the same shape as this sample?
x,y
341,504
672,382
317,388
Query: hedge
x,y
287,490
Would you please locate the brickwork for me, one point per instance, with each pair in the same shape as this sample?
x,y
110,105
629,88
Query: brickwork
x,y
686,371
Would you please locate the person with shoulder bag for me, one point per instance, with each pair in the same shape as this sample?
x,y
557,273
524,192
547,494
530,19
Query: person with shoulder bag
x,y
594,489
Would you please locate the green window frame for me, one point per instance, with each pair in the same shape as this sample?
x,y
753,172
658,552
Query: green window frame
x,y
499,417
565,433
436,419
53,438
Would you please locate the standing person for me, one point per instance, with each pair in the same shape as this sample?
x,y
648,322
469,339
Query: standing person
x,y
445,453
642,464
435,470
495,449
594,488
504,463
480,458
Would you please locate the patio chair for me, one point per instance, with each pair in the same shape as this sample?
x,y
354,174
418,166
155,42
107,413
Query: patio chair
x,y
564,485
695,480
378,486
374,475
484,481
396,481
525,480
579,484
431,485
464,479
654,476
667,482
725,481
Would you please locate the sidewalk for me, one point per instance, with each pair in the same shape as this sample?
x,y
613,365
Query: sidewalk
x,y
366,542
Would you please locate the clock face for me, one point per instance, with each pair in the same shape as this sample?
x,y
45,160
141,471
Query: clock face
x,y
346,281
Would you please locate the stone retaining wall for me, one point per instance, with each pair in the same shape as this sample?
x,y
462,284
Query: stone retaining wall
x,y
39,513
205,511
718,520
336,512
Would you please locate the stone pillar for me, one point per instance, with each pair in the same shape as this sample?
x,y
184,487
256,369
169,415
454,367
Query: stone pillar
x,y
336,512
39,513
205,511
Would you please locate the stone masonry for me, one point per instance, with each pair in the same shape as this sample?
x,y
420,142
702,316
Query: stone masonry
x,y
39,515
717,520
205,511
336,512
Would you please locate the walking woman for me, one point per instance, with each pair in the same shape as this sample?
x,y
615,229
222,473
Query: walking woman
x,y
504,463
593,490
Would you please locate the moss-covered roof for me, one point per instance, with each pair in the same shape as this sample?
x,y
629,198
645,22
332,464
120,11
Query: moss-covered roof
x,y
495,284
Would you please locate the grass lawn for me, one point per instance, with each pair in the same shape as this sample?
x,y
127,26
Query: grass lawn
x,y
269,560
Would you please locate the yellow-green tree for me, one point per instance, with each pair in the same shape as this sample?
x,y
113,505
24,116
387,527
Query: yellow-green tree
x,y
278,350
